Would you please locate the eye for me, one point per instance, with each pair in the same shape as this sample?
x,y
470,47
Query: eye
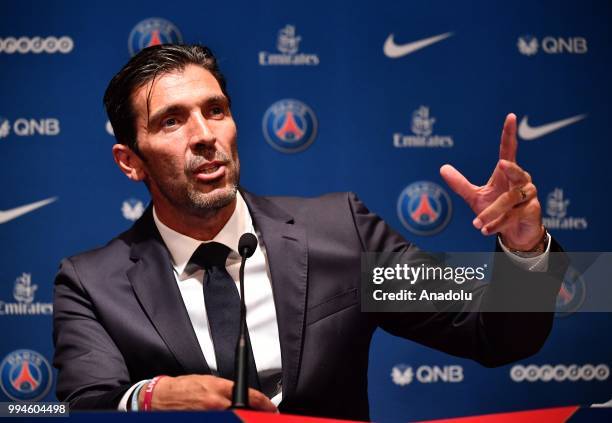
x,y
217,111
169,122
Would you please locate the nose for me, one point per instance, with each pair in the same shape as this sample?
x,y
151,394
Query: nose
x,y
202,134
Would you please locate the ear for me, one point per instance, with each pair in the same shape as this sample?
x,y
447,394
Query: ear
x,y
129,162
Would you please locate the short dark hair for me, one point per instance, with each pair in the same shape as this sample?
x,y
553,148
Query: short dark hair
x,y
143,68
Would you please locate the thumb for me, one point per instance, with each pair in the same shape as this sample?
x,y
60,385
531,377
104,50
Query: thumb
x,y
457,182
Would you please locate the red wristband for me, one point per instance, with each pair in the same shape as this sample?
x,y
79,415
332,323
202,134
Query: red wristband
x,y
148,396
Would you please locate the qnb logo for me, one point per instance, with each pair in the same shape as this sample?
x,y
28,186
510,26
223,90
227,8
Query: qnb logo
x,y
288,45
25,127
132,209
109,128
36,45
530,46
422,130
556,209
403,375
527,45
560,373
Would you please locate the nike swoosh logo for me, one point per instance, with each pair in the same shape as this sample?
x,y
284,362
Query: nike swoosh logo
x,y
8,215
394,51
528,133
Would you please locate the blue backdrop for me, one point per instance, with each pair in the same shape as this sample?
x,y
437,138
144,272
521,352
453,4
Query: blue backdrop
x,y
371,97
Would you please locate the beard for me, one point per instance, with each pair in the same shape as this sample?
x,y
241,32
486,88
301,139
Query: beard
x,y
212,201
188,195
209,202
205,204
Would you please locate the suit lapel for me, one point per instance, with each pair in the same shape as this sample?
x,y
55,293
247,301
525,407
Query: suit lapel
x,y
155,286
287,254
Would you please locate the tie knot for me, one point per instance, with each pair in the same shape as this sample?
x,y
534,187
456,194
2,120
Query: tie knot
x,y
210,254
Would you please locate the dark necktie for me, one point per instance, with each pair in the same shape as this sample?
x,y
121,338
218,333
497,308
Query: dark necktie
x,y
223,309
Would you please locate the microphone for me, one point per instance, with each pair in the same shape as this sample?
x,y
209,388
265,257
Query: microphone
x,y
240,393
247,245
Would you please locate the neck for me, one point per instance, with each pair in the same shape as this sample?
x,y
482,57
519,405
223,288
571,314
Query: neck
x,y
202,226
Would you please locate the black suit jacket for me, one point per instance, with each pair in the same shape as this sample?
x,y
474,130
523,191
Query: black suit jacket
x,y
119,317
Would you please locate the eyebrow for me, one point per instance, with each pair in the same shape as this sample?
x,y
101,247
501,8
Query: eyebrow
x,y
174,108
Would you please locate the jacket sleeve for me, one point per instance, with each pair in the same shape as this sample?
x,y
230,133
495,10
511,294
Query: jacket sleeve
x,y
491,338
91,370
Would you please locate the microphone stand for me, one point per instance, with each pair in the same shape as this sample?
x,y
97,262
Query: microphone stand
x,y
240,394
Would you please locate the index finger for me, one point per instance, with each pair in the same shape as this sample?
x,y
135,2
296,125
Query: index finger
x,y
508,144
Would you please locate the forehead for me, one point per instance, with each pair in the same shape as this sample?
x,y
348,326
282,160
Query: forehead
x,y
191,85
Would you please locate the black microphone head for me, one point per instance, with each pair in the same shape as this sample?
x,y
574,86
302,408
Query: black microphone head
x,y
247,245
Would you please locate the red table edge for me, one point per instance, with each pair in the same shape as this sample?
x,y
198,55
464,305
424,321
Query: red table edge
x,y
552,415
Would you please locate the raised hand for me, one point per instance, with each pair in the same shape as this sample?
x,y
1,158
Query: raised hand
x,y
507,204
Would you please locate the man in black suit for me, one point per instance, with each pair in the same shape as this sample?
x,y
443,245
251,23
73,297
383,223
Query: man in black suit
x,y
126,313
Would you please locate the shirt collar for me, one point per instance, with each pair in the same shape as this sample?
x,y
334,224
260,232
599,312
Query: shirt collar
x,y
182,247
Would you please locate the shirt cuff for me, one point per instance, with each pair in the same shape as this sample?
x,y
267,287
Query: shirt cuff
x,y
276,399
124,399
533,264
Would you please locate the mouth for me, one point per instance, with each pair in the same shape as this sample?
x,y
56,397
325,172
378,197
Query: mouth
x,y
210,171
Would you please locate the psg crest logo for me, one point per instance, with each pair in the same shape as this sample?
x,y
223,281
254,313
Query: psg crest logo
x,y
152,32
25,375
290,126
424,208
572,293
